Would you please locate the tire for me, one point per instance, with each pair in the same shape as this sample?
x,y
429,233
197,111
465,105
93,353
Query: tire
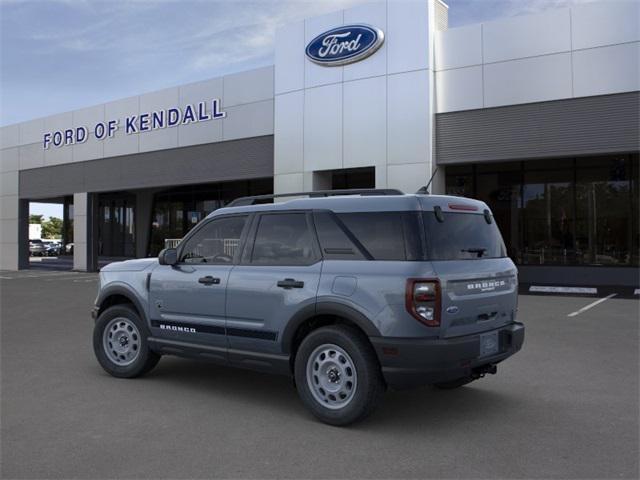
x,y
125,353
453,384
352,361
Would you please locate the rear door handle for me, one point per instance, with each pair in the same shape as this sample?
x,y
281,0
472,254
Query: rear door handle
x,y
290,283
209,280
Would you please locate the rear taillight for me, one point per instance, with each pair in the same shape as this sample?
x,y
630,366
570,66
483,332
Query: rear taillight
x,y
423,301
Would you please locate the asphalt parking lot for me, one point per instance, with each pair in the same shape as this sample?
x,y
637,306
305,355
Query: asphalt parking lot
x,y
564,407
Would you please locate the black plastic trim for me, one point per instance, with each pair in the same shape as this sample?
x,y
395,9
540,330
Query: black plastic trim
x,y
326,308
264,362
198,327
112,290
248,333
217,330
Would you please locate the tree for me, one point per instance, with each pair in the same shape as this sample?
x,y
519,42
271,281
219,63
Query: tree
x,y
36,219
52,228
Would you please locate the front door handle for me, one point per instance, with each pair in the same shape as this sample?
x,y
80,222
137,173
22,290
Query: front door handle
x,y
209,280
290,283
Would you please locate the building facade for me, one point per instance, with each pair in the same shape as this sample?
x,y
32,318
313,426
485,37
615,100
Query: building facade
x,y
536,115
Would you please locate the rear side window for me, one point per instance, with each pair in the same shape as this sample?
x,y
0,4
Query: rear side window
x,y
283,239
385,235
462,236
336,241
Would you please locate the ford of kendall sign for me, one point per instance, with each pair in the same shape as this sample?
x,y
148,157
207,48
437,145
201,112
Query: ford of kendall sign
x,y
139,123
344,45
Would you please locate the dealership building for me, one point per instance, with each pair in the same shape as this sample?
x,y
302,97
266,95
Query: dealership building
x,y
536,115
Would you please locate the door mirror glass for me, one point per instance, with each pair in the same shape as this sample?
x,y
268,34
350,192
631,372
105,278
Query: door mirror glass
x,y
168,256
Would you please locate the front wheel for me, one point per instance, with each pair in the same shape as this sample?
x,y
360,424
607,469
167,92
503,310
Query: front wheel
x,y
120,343
337,375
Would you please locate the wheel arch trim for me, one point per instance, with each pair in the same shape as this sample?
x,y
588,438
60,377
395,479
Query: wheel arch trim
x,y
123,290
326,308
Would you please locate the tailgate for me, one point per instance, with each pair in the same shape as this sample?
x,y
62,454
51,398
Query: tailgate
x,y
477,295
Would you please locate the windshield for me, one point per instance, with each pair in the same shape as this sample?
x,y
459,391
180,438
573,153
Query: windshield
x,y
462,236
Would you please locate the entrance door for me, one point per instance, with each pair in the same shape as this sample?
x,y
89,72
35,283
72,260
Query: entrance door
x,y
187,300
116,227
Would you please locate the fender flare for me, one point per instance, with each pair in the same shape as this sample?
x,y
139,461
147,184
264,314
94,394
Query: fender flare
x,y
125,291
326,308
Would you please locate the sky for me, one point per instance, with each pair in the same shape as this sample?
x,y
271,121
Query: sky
x,y
61,55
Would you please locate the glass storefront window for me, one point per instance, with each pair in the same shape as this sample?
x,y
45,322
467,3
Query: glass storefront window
x,y
634,164
568,211
603,213
116,228
548,225
178,210
459,181
500,187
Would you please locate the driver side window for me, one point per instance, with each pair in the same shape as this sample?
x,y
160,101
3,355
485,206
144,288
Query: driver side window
x,y
216,243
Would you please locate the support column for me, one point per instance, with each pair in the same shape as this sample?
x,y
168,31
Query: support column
x,y
85,235
23,234
144,206
66,238
9,217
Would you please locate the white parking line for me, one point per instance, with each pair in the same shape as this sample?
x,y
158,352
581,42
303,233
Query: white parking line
x,y
50,276
75,278
591,305
45,275
549,289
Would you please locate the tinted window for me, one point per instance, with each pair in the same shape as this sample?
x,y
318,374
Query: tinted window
x,y
385,235
334,240
215,243
462,236
283,239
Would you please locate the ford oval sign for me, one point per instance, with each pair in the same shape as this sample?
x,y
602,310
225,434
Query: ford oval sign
x,y
344,45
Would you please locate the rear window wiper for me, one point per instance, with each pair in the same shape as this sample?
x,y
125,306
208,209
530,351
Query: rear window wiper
x,y
478,251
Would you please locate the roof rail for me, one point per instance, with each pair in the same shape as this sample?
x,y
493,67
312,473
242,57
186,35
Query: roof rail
x,y
245,201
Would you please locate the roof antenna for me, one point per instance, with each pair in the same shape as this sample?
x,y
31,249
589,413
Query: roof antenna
x,y
425,190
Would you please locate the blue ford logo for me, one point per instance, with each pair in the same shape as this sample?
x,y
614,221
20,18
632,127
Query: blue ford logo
x,y
344,45
452,309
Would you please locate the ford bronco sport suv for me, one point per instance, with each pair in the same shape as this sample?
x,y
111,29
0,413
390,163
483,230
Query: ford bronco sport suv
x,y
349,294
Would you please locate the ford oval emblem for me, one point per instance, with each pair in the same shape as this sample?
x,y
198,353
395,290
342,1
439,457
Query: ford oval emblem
x,y
452,309
343,45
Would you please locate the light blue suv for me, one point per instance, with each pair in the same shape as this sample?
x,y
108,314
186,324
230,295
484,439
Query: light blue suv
x,y
348,292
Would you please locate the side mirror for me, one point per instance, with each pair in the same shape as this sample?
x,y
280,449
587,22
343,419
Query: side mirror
x,y
168,256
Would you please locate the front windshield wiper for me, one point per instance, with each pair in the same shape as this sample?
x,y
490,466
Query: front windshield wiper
x,y
478,251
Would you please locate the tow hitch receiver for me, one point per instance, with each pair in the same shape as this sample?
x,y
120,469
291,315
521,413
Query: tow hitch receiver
x,y
483,370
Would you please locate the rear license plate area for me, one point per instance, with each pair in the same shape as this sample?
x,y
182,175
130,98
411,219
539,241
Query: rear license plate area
x,y
489,344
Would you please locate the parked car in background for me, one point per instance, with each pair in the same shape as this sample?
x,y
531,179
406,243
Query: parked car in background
x,y
68,248
37,248
53,248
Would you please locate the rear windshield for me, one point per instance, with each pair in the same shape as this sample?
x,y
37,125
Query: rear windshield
x,y
462,236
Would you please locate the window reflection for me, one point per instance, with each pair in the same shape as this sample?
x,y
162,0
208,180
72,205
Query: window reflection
x,y
581,211
603,193
116,228
548,227
178,210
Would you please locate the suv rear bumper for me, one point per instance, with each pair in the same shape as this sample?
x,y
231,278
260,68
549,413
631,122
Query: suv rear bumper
x,y
411,362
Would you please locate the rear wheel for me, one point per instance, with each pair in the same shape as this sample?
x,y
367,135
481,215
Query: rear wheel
x,y
120,343
337,375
